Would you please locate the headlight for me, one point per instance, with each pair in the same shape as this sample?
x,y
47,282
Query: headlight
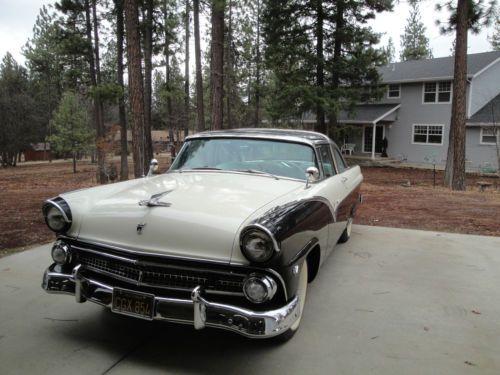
x,y
57,215
61,252
257,245
258,289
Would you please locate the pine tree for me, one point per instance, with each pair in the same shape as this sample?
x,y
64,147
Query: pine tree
x,y
414,42
16,108
120,33
199,78
136,92
323,58
217,63
71,132
44,60
390,51
495,37
466,15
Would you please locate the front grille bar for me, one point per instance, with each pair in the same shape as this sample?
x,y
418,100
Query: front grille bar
x,y
157,275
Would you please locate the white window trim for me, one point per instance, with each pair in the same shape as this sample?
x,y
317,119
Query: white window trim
x,y
488,143
426,143
436,101
388,90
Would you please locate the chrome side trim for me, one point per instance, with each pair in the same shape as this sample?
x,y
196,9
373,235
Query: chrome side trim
x,y
304,251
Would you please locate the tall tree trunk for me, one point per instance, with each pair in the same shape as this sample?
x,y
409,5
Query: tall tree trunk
x,y
320,74
337,55
257,71
459,97
448,171
148,71
169,121
229,67
136,94
99,125
186,74
217,63
197,56
101,152
121,100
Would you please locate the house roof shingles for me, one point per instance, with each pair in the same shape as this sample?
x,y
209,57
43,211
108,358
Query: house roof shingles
x,y
488,115
432,69
366,113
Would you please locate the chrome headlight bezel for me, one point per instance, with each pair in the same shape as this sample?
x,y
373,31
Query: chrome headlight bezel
x,y
57,215
268,285
61,252
258,244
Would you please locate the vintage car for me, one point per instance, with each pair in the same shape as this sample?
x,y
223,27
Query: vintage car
x,y
229,237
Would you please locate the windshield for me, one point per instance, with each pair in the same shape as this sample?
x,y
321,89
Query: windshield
x,y
278,158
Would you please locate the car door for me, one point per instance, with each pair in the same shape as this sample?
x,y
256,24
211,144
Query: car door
x,y
351,180
333,188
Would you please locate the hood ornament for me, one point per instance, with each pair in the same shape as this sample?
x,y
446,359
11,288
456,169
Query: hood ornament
x,y
154,201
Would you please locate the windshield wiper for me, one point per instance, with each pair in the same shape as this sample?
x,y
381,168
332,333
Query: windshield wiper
x,y
254,171
205,169
198,169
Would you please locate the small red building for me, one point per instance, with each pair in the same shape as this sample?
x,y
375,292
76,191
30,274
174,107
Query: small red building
x,y
38,152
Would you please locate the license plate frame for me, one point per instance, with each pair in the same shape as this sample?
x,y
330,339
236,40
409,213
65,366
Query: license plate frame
x,y
132,303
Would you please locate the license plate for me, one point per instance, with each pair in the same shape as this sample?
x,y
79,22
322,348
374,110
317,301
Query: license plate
x,y
128,302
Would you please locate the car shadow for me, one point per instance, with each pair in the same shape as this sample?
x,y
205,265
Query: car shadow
x,y
165,346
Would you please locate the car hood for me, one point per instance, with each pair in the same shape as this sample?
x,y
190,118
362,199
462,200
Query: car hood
x,y
204,211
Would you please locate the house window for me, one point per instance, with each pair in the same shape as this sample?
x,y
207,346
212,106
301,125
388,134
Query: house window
x,y
489,136
394,91
437,92
428,134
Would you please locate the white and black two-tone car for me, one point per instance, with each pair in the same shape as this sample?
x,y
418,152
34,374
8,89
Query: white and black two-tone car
x,y
229,237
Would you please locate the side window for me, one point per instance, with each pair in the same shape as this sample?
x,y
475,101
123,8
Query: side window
x,y
341,164
326,161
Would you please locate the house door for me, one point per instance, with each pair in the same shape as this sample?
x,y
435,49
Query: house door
x,y
368,137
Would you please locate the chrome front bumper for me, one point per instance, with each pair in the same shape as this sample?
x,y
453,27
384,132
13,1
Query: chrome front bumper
x,y
196,310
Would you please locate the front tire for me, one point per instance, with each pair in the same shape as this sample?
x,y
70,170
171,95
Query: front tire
x,y
346,234
301,293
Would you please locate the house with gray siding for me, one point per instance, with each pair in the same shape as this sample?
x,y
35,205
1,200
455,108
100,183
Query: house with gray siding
x,y
414,114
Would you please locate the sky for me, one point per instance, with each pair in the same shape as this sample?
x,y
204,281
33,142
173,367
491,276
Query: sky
x,y
18,17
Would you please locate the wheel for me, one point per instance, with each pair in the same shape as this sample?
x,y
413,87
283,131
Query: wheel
x,y
346,234
301,292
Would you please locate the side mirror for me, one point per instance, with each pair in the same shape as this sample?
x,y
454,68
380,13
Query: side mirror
x,y
312,175
153,167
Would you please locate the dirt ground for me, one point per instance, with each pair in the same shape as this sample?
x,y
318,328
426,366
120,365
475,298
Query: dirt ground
x,y
386,201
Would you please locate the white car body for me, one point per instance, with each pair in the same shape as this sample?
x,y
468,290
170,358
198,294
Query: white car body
x,y
192,219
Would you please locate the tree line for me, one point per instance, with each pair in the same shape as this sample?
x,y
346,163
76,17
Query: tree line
x,y
125,64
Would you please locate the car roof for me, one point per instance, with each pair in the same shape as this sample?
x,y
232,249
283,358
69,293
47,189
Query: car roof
x,y
290,135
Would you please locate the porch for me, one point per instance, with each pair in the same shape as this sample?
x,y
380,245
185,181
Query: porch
x,y
363,131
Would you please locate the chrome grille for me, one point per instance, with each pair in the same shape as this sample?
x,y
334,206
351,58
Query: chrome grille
x,y
109,266
170,277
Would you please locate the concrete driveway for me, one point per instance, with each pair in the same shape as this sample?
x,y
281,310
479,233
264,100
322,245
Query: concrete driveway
x,y
390,301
